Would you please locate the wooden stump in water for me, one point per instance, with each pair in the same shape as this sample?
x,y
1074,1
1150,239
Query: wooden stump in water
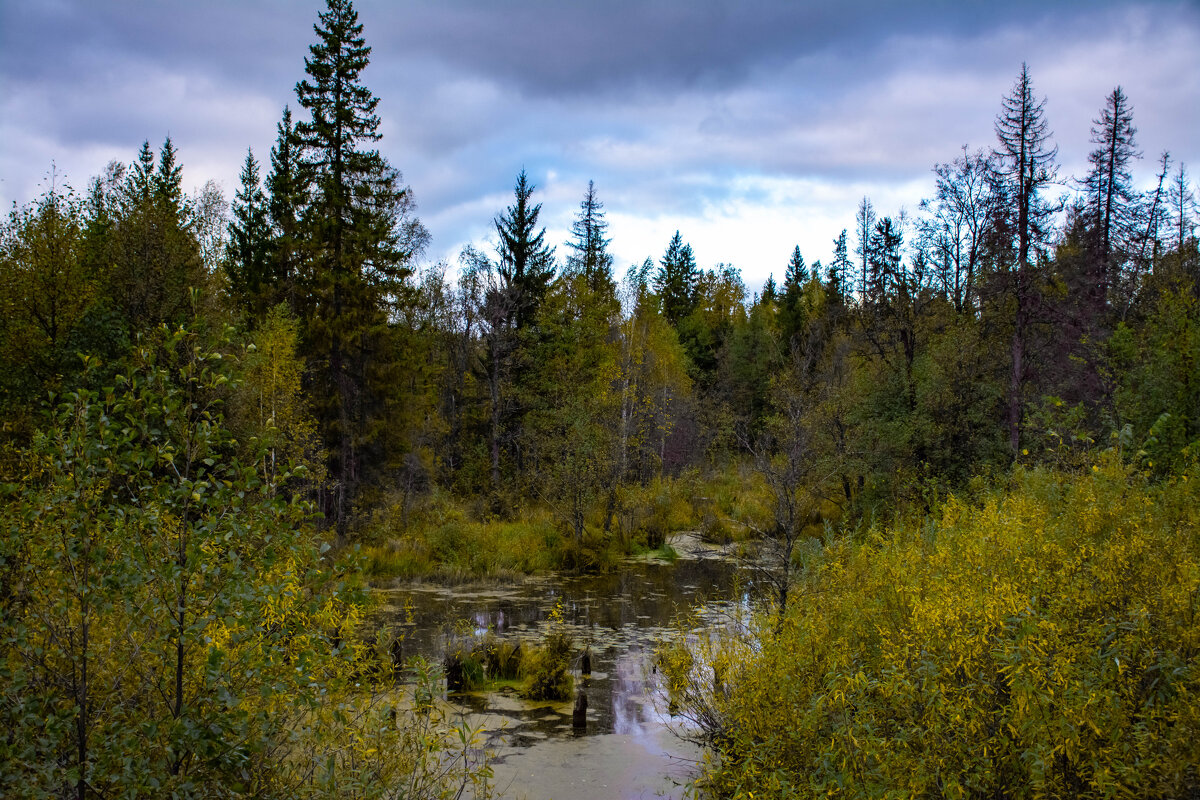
x,y
454,673
585,663
397,655
579,714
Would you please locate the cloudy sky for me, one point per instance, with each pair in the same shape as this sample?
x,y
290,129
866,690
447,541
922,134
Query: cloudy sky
x,y
749,126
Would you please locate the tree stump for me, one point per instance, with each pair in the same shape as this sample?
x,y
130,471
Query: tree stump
x,y
579,714
397,655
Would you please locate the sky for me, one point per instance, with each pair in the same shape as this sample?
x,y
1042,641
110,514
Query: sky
x,y
751,126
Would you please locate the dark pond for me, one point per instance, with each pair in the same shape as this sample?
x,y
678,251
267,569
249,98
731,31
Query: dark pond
x,y
628,748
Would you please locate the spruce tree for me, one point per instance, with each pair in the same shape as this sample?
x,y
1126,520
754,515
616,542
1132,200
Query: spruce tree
x,y
589,247
864,225
167,182
1024,163
1111,199
247,261
676,281
791,309
839,269
883,261
152,253
769,291
286,198
358,244
526,263
1183,207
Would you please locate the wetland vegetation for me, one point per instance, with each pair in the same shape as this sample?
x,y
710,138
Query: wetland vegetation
x,y
288,512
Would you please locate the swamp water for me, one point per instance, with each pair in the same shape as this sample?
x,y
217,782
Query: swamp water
x,y
628,748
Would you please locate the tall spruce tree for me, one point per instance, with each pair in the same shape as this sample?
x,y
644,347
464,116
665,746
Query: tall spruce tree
x,y
839,268
359,243
247,258
791,309
526,263
1024,161
676,281
1111,199
286,198
589,246
1183,206
884,272
864,225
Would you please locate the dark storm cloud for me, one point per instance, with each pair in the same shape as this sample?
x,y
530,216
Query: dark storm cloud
x,y
752,124
569,48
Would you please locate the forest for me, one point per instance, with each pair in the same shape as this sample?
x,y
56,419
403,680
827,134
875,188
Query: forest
x,y
965,442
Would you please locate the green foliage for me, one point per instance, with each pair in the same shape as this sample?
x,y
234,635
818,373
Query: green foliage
x,y
444,540
359,236
675,281
151,260
547,669
651,513
247,260
170,624
1042,642
1159,389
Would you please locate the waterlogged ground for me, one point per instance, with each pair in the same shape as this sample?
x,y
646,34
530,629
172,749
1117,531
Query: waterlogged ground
x,y
628,748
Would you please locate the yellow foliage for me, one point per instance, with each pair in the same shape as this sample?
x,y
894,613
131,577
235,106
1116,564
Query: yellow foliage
x,y
1041,643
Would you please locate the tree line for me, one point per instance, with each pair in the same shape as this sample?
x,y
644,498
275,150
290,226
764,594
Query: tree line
x,y
1003,320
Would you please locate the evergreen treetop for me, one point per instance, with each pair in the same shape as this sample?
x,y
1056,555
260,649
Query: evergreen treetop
x,y
676,280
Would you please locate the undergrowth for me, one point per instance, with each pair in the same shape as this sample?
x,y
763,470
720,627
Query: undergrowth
x,y
1042,640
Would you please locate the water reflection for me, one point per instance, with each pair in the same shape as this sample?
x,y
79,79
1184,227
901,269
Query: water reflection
x,y
626,749
620,618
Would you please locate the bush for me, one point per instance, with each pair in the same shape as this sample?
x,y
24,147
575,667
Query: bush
x,y
547,669
171,625
1044,642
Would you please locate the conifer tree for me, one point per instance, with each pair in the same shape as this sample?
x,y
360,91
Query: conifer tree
x,y
247,261
1024,164
1111,199
864,225
791,312
359,239
839,268
796,273
168,180
1183,207
526,263
286,198
676,281
1024,161
153,256
769,291
590,247
883,261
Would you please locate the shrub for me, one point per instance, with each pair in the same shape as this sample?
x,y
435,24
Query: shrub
x,y
547,668
1042,642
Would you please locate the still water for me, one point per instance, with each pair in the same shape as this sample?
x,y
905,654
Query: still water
x,y
630,747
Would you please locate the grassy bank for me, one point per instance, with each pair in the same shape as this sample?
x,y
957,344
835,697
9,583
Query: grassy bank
x,y
441,537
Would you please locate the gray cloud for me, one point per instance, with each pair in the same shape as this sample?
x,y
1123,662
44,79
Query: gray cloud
x,y
753,124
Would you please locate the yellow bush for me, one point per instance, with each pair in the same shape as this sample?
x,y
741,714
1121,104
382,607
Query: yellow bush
x,y
1042,643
